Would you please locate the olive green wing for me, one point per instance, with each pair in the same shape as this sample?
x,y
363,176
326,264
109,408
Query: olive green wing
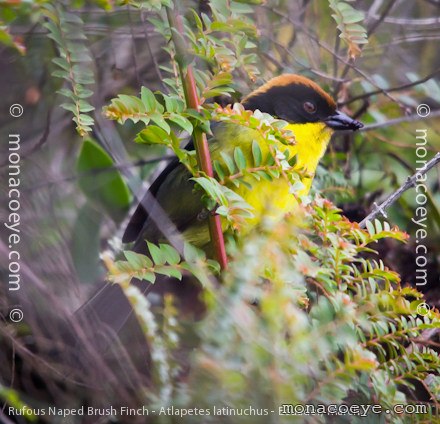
x,y
172,194
171,198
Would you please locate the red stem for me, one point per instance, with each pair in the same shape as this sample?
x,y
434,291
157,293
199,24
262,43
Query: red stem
x,y
200,140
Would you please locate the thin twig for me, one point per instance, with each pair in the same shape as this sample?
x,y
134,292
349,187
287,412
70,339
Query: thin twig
x,y
410,38
349,63
383,15
391,122
98,171
152,55
304,67
409,21
389,90
410,182
135,64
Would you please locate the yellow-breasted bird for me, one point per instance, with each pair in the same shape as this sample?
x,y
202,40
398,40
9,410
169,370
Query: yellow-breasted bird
x,y
312,116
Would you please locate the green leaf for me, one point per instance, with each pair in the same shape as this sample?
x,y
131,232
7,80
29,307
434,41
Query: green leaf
x,y
62,63
239,158
378,226
182,122
71,18
85,106
85,119
222,211
71,107
148,276
136,260
61,74
159,120
8,40
212,188
153,135
219,169
67,93
171,254
173,103
370,228
169,272
159,257
228,162
256,153
101,182
54,32
83,92
148,99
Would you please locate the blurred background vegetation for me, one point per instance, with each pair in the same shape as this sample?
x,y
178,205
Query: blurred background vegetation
x,y
65,224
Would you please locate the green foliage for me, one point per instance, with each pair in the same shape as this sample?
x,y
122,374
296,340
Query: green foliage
x,y
218,85
168,114
224,202
86,232
149,4
13,399
165,116
351,31
163,259
232,51
306,312
148,108
101,182
235,167
73,62
220,44
308,319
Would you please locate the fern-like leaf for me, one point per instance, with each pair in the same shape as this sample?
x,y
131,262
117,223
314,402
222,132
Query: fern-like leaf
x,y
74,63
351,31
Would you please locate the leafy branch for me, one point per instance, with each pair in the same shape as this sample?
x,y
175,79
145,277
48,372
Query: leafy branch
x,y
225,202
163,259
200,140
74,63
351,31
168,113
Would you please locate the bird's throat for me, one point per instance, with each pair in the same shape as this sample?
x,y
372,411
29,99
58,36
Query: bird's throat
x,y
311,143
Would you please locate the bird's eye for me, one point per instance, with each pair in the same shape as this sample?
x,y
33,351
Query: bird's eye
x,y
309,107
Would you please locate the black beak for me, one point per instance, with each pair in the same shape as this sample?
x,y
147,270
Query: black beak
x,y
341,121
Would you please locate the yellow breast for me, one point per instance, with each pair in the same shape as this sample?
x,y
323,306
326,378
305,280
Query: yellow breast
x,y
273,199
311,143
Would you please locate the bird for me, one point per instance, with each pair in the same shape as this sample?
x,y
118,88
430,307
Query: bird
x,y
312,116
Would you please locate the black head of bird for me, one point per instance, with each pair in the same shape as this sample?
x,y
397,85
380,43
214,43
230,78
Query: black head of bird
x,y
298,100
